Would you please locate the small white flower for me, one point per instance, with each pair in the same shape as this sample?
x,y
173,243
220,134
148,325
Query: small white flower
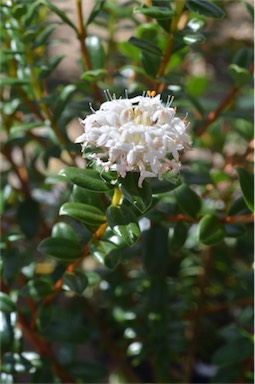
x,y
140,134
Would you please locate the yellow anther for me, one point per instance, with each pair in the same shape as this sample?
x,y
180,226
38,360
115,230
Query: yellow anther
x,y
151,93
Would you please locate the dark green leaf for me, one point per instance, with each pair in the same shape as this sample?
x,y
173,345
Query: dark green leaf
x,y
63,99
105,253
95,11
46,69
6,303
139,197
124,223
238,207
14,81
145,46
158,13
28,217
38,288
43,36
17,129
247,187
179,236
64,230
187,200
168,183
156,250
87,371
86,178
211,230
60,248
205,8
239,75
76,281
96,51
244,57
235,230
150,63
83,212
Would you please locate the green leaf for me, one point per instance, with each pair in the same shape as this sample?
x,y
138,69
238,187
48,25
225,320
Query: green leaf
x,y
95,11
46,69
38,288
211,230
188,200
76,281
244,57
156,250
124,223
64,230
145,46
196,85
61,14
6,304
247,187
96,51
139,197
60,248
168,183
17,129
150,63
239,75
235,230
63,99
159,13
28,217
105,253
87,371
14,81
86,178
179,236
83,212
43,36
205,8
94,75
189,37
129,51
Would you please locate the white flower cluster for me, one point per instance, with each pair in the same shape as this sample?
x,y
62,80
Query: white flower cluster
x,y
138,134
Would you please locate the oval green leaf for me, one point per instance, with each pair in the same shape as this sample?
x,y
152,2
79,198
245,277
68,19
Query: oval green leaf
x,y
211,230
124,223
188,200
76,281
64,231
83,212
247,187
139,197
6,304
60,248
86,178
205,8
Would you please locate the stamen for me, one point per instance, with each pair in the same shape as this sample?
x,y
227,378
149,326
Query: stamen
x,y
126,93
169,101
151,93
91,108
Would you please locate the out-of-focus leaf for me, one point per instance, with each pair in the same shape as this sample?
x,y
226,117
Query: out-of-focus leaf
x,y
28,217
38,288
95,11
158,13
96,51
179,236
139,197
44,35
238,207
86,178
247,187
150,63
239,75
196,85
46,69
83,212
60,248
14,81
205,8
124,223
86,371
6,304
168,183
156,250
188,200
63,99
235,230
76,281
244,57
94,75
145,46
61,14
17,129
211,230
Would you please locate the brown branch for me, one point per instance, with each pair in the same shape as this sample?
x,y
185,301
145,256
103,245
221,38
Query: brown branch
x,y
42,347
242,219
213,115
84,51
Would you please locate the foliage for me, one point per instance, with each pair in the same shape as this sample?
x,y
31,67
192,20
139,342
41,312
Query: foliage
x,y
103,281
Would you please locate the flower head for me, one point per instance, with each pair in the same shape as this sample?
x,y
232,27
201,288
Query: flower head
x,y
138,134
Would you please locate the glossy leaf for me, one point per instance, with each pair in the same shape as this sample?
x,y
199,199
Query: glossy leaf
x,y
211,230
188,200
28,217
155,251
61,14
159,13
168,183
235,230
63,230
38,288
76,281
83,212
145,46
94,75
95,11
179,236
60,248
105,252
139,197
205,8
96,51
239,75
124,223
86,178
247,187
